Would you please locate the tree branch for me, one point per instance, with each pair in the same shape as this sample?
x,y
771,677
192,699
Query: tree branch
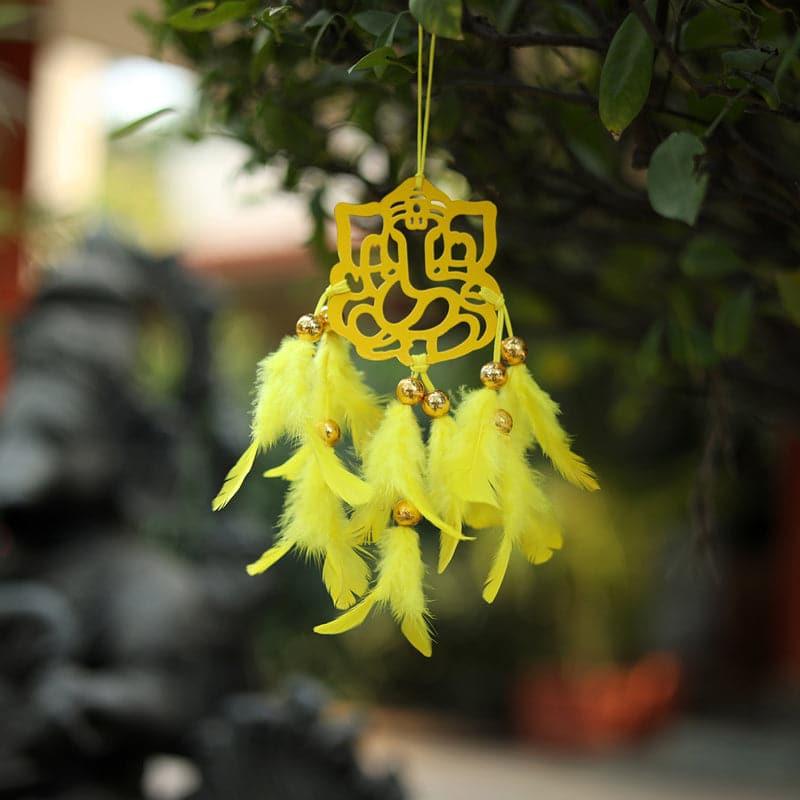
x,y
700,88
480,27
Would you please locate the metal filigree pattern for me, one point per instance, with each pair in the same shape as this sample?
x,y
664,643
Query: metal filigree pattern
x,y
455,264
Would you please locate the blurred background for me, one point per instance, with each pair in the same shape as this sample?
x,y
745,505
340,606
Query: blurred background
x,y
165,218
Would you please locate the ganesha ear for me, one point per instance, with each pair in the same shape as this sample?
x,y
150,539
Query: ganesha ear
x,y
486,213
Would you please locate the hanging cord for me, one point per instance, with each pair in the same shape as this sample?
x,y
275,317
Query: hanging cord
x,y
334,288
419,369
423,121
503,319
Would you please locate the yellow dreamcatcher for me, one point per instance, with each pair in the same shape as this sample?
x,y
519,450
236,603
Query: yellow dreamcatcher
x,y
473,471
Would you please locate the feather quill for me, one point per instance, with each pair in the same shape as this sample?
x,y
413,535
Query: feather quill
x,y
399,586
443,483
476,454
535,416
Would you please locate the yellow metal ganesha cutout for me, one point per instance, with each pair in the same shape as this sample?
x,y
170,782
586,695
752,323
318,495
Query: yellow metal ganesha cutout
x,y
457,272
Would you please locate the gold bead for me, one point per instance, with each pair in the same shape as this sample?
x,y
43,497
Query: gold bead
x,y
514,350
410,391
309,328
330,432
493,375
436,404
503,421
406,514
323,317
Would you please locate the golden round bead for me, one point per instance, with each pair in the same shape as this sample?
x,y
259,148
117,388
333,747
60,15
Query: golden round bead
x,y
514,350
406,514
310,328
493,375
436,404
323,317
410,391
330,432
503,421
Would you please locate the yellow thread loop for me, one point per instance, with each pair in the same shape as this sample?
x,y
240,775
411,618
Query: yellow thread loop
x,y
419,369
340,287
503,318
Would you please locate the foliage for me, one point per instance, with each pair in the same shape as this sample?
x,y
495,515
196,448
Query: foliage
x,y
657,263
705,93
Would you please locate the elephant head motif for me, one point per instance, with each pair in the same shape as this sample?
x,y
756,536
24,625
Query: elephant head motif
x,y
455,266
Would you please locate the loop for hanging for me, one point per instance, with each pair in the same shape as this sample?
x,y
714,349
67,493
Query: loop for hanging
x,y
423,120
340,287
419,369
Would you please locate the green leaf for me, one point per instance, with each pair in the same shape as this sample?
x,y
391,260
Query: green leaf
x,y
571,17
675,188
789,55
716,26
442,17
732,323
318,20
374,22
322,20
626,73
205,16
376,58
766,88
709,257
749,60
788,284
387,35
132,127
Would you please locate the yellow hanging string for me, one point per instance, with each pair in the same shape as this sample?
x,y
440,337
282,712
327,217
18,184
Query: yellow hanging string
x,y
341,287
423,122
419,369
503,319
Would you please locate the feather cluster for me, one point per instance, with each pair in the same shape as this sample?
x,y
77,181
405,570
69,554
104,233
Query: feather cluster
x,y
298,387
395,466
399,586
472,474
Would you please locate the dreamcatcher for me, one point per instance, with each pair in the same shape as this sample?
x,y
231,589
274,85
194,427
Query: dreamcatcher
x,y
473,471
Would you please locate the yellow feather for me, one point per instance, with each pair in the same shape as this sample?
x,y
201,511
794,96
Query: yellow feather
x,y
235,478
282,377
339,479
344,394
528,522
369,520
394,466
270,557
283,380
477,449
314,523
494,580
399,585
350,619
535,416
290,468
479,515
442,476
400,576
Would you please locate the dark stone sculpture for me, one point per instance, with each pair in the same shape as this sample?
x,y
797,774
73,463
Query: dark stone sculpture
x,y
112,647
